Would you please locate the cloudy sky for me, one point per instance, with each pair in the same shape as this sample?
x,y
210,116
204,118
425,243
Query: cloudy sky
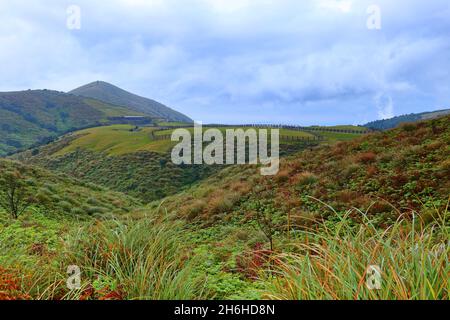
x,y
284,61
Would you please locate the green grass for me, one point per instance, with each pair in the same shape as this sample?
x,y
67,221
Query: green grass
x,y
116,140
144,259
347,127
37,116
173,124
332,264
336,136
122,139
110,110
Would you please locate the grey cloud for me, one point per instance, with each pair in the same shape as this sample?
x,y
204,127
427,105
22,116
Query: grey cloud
x,y
238,60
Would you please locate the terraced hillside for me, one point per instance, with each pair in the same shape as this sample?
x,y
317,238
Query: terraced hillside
x,y
308,233
38,116
136,160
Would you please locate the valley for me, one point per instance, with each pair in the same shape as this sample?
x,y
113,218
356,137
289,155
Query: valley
x,y
96,188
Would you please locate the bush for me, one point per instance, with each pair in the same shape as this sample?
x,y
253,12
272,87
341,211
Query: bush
x,y
305,179
66,206
366,157
412,259
77,212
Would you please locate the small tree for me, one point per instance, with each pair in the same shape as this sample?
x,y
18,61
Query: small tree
x,y
14,196
268,220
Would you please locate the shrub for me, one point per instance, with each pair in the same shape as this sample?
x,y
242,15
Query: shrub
x,y
282,176
366,157
305,179
77,211
409,127
195,209
66,206
222,203
93,201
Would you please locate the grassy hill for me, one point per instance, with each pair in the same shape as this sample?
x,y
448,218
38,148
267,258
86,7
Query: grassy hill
x,y
372,171
64,196
327,215
37,116
137,160
308,233
414,117
103,91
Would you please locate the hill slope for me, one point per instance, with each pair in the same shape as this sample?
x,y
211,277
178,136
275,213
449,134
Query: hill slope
x,y
325,217
404,168
414,117
137,160
62,195
378,200
35,116
111,94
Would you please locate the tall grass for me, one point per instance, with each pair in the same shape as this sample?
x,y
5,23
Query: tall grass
x,y
143,259
412,255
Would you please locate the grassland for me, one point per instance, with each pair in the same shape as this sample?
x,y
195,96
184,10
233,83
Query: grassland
x,y
116,140
136,160
34,117
327,216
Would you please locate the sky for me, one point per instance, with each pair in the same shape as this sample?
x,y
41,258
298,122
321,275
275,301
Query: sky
x,y
238,61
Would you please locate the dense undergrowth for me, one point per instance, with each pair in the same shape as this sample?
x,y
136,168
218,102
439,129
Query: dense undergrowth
x,y
311,232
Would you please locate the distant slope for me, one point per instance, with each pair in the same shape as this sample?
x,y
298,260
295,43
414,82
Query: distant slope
x,y
394,122
119,158
406,168
111,94
34,116
60,194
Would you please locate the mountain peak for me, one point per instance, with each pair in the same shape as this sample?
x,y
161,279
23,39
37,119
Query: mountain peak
x,y
112,94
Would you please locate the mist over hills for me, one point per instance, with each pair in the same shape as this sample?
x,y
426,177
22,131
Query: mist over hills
x,y
111,94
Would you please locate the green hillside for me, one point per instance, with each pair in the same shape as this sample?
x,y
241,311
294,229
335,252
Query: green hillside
x,y
413,117
37,116
109,93
308,233
62,196
326,216
136,160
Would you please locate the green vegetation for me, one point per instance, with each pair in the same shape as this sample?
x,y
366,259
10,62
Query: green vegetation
x,y
58,194
310,232
132,159
333,264
108,93
116,140
33,117
414,117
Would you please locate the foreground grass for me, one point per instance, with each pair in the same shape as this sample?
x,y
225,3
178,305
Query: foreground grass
x,y
134,260
118,259
154,257
412,256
